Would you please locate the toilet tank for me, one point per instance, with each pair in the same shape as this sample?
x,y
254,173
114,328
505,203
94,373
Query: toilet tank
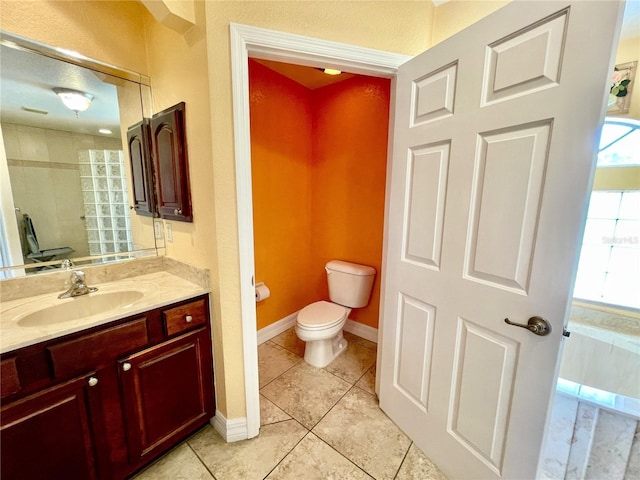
x,y
349,283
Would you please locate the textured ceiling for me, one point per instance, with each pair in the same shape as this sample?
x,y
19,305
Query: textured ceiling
x,y
27,80
309,77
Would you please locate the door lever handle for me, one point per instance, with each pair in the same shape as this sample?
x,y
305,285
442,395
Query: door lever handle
x,y
537,325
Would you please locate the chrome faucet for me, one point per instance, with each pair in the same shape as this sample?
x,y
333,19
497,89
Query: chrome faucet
x,y
78,286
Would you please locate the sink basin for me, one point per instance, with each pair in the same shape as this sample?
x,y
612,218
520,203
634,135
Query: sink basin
x,y
84,306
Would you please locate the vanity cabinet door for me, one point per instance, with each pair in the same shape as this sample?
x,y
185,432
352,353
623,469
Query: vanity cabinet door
x,y
171,174
139,142
50,435
167,393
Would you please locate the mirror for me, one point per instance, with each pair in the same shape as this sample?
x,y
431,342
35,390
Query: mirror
x,y
65,175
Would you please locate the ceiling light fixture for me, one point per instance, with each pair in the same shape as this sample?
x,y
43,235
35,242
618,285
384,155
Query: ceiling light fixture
x,y
74,99
332,71
105,131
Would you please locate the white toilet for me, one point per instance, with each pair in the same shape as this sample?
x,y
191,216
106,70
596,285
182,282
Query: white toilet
x,y
320,323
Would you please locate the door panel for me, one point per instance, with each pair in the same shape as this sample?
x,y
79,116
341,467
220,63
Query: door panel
x,y
489,180
479,422
425,200
500,247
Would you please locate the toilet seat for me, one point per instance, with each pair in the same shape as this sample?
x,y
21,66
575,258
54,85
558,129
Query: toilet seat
x,y
321,315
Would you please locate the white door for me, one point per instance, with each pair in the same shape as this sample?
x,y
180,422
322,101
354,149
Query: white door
x,y
495,131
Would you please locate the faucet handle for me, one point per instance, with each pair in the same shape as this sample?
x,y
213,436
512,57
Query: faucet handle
x,y
77,277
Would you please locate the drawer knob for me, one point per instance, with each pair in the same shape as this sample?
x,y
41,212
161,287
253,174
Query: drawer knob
x,y
93,381
177,211
126,366
188,318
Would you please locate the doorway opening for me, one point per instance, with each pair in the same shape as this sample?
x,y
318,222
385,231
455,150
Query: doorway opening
x,y
250,42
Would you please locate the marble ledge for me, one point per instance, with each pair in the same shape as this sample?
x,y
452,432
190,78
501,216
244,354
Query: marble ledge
x,y
57,281
156,290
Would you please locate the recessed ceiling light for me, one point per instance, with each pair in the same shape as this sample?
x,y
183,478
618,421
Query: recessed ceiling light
x,y
332,71
105,131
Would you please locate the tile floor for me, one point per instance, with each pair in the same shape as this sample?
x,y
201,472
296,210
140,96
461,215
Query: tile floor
x,y
317,423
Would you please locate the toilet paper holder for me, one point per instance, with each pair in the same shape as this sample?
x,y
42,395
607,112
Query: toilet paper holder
x,y
262,292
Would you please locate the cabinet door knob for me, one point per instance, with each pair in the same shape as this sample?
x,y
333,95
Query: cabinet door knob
x,y
93,381
188,318
126,366
177,211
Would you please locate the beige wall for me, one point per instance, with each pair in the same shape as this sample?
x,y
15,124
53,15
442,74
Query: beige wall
x,y
111,31
196,68
406,30
456,15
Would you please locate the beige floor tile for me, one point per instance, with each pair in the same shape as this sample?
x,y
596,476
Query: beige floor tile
x,y
289,340
270,413
351,338
312,459
306,393
359,430
417,465
273,360
353,362
368,381
179,464
248,459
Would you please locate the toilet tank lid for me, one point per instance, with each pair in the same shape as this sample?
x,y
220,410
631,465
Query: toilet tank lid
x,y
348,267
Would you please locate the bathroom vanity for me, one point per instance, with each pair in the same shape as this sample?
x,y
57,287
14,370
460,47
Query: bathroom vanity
x,y
103,401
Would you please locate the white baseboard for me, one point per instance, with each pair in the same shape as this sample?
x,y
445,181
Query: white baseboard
x,y
270,331
363,331
231,430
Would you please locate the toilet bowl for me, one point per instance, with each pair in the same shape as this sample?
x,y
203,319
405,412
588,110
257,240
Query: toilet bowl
x,y
320,324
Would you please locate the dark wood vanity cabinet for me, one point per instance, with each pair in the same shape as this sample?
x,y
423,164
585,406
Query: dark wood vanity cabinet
x,y
166,391
139,144
101,404
52,433
171,173
159,165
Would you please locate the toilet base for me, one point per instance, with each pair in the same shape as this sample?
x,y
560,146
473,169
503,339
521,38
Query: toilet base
x,y
320,353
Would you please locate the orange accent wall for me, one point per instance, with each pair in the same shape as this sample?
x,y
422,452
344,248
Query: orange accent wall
x,y
318,173
350,132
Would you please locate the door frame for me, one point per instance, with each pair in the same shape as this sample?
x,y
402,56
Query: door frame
x,y
254,42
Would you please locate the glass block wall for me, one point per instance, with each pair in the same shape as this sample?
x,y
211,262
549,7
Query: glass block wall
x,y
104,191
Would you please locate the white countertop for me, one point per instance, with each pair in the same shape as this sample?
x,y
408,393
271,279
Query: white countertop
x,y
158,289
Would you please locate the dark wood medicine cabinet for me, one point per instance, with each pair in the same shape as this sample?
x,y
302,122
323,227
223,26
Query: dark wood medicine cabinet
x,y
159,165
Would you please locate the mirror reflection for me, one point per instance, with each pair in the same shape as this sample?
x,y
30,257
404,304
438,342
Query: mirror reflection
x,y
64,167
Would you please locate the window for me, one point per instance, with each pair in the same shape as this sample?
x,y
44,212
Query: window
x,y
609,268
619,143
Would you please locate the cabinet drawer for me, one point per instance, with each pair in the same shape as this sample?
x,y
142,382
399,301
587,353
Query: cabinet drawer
x,y
185,317
10,382
89,351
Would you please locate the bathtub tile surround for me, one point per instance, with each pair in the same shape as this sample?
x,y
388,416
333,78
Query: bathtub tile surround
x,y
350,439
603,350
590,441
